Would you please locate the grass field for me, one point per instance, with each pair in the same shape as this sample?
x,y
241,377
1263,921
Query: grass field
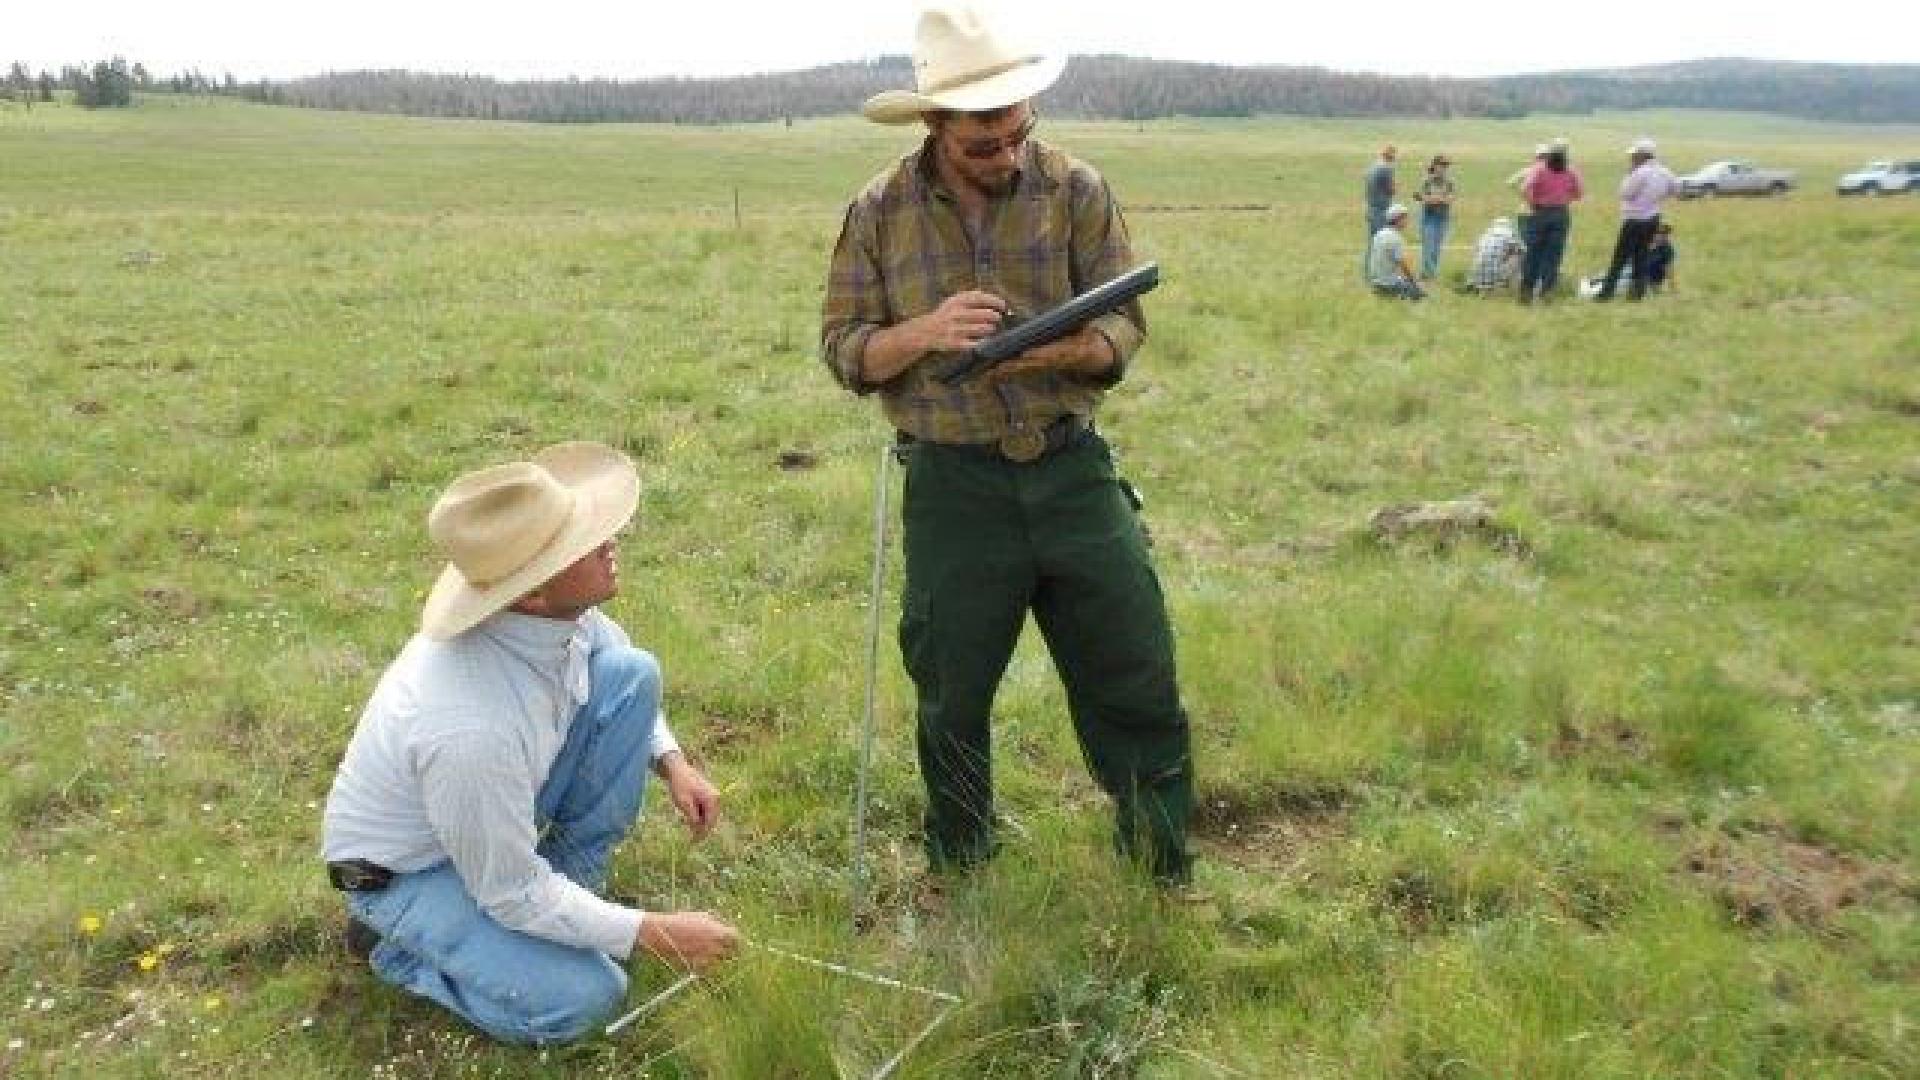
x,y
1624,786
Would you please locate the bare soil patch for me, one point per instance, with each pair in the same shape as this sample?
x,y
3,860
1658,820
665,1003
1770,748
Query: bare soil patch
x,y
1274,829
1763,878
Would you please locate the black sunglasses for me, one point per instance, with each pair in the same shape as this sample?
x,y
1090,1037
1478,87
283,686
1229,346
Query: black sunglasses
x,y
985,149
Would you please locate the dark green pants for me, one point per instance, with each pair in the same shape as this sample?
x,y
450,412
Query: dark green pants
x,y
988,540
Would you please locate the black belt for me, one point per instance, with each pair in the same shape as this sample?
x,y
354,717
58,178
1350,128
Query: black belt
x,y
358,875
1022,445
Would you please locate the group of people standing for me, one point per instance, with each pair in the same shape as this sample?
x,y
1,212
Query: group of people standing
x,y
1533,251
1386,266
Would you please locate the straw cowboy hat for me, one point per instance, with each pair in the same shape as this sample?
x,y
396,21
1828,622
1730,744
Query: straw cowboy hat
x,y
961,64
506,530
1642,146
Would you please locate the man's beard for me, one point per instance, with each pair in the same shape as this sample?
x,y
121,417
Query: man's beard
x,y
997,185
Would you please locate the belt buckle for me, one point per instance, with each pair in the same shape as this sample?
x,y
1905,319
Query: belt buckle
x,y
1023,445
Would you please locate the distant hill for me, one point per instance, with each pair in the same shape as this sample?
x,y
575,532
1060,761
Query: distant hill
x,y
1120,87
1866,93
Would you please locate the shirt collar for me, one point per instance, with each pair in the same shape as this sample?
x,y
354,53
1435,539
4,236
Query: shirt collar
x,y
554,648
532,633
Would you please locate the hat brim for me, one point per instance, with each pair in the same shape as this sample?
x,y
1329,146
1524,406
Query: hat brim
x,y
606,492
1007,88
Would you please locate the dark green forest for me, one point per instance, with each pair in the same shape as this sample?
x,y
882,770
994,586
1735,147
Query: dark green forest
x,y
1094,87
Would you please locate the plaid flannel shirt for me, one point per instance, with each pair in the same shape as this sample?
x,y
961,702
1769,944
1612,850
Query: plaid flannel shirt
x,y
1494,259
905,247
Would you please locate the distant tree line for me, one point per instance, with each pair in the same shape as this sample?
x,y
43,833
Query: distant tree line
x,y
1094,87
1107,87
111,84
1118,87
1862,93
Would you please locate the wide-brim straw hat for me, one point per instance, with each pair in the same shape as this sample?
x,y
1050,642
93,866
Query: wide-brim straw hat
x,y
507,529
962,64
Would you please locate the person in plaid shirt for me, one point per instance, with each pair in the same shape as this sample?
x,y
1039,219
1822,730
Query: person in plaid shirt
x,y
1496,257
1012,500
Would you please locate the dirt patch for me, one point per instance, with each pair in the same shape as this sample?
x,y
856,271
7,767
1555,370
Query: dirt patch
x,y
1607,737
1840,306
1764,879
1273,829
1440,525
174,601
720,730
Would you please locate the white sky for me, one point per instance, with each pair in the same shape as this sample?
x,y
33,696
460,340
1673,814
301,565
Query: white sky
x,y
644,38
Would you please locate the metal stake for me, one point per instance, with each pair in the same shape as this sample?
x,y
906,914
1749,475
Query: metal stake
x,y
880,484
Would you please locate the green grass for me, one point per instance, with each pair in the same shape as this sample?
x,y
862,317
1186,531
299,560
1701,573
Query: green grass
x,y
1634,796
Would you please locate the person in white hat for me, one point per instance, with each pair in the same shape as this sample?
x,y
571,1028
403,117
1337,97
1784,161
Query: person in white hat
x,y
1646,186
1496,257
1388,270
1012,502
501,758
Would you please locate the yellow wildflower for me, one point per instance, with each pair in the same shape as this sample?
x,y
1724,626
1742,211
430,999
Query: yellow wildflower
x,y
90,924
149,960
212,1002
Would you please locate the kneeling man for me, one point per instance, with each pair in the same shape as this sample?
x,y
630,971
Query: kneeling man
x,y
504,754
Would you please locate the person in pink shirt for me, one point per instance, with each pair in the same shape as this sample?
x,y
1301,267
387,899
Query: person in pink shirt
x,y
1552,186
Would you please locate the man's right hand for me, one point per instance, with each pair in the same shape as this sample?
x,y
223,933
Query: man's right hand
x,y
961,320
956,325
693,940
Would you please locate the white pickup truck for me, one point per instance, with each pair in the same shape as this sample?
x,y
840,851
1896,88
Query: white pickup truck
x,y
1735,178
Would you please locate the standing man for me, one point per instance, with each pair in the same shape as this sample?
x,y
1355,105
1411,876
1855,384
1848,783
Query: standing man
x,y
1647,184
1012,502
1380,189
1388,270
501,758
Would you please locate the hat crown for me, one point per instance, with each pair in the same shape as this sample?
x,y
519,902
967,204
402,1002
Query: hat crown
x,y
955,46
490,524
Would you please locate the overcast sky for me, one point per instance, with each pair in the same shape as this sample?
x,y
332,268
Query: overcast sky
x,y
644,38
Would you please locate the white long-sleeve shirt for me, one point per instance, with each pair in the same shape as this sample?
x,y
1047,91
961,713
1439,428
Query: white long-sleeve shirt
x,y
1644,189
452,751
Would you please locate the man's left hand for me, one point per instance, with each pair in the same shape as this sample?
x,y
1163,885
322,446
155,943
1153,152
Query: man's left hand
x,y
697,799
1086,351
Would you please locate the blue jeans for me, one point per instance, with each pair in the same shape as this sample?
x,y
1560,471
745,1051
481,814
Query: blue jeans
x,y
1433,237
1546,243
437,943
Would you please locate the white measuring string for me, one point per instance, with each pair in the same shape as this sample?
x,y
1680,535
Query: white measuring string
x,y
825,965
854,973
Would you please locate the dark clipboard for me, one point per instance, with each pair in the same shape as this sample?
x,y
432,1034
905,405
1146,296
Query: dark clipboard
x,y
1057,322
